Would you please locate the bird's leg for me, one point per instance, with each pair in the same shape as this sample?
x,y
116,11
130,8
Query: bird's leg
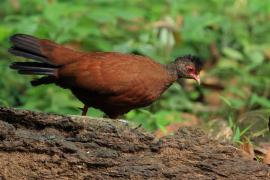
x,y
84,110
140,125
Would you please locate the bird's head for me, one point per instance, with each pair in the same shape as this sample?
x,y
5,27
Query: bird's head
x,y
188,67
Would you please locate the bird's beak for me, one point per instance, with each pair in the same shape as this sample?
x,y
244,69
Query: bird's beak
x,y
197,78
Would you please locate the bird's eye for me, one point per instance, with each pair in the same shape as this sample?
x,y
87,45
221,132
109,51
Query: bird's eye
x,y
190,69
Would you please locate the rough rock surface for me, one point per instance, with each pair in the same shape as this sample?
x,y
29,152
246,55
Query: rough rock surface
x,y
45,146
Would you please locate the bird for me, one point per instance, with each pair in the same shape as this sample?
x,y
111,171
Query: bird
x,y
113,82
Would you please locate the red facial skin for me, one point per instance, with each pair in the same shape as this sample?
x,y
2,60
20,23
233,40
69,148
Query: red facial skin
x,y
192,73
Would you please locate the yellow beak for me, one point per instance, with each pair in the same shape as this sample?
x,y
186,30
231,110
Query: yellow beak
x,y
197,78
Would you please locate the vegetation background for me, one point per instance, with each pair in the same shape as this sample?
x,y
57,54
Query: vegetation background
x,y
231,36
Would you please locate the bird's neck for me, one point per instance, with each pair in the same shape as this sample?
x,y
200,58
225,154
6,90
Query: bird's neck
x,y
171,69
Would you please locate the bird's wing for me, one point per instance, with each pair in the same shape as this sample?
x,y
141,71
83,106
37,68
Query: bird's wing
x,y
127,78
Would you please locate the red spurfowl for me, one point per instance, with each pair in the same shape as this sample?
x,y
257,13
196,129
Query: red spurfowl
x,y
112,82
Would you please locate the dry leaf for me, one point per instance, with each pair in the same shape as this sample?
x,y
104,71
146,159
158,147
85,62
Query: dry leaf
x,y
248,149
259,151
266,159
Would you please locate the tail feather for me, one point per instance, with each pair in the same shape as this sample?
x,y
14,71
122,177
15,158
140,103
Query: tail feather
x,y
37,72
43,80
34,68
29,47
25,54
43,50
32,64
26,42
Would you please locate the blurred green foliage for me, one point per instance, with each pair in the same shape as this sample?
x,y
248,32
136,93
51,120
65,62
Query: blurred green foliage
x,y
232,36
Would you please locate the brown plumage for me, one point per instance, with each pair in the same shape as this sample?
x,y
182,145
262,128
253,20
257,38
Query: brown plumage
x,y
112,82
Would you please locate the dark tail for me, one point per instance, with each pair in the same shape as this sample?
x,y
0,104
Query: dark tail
x,y
44,80
32,68
29,47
